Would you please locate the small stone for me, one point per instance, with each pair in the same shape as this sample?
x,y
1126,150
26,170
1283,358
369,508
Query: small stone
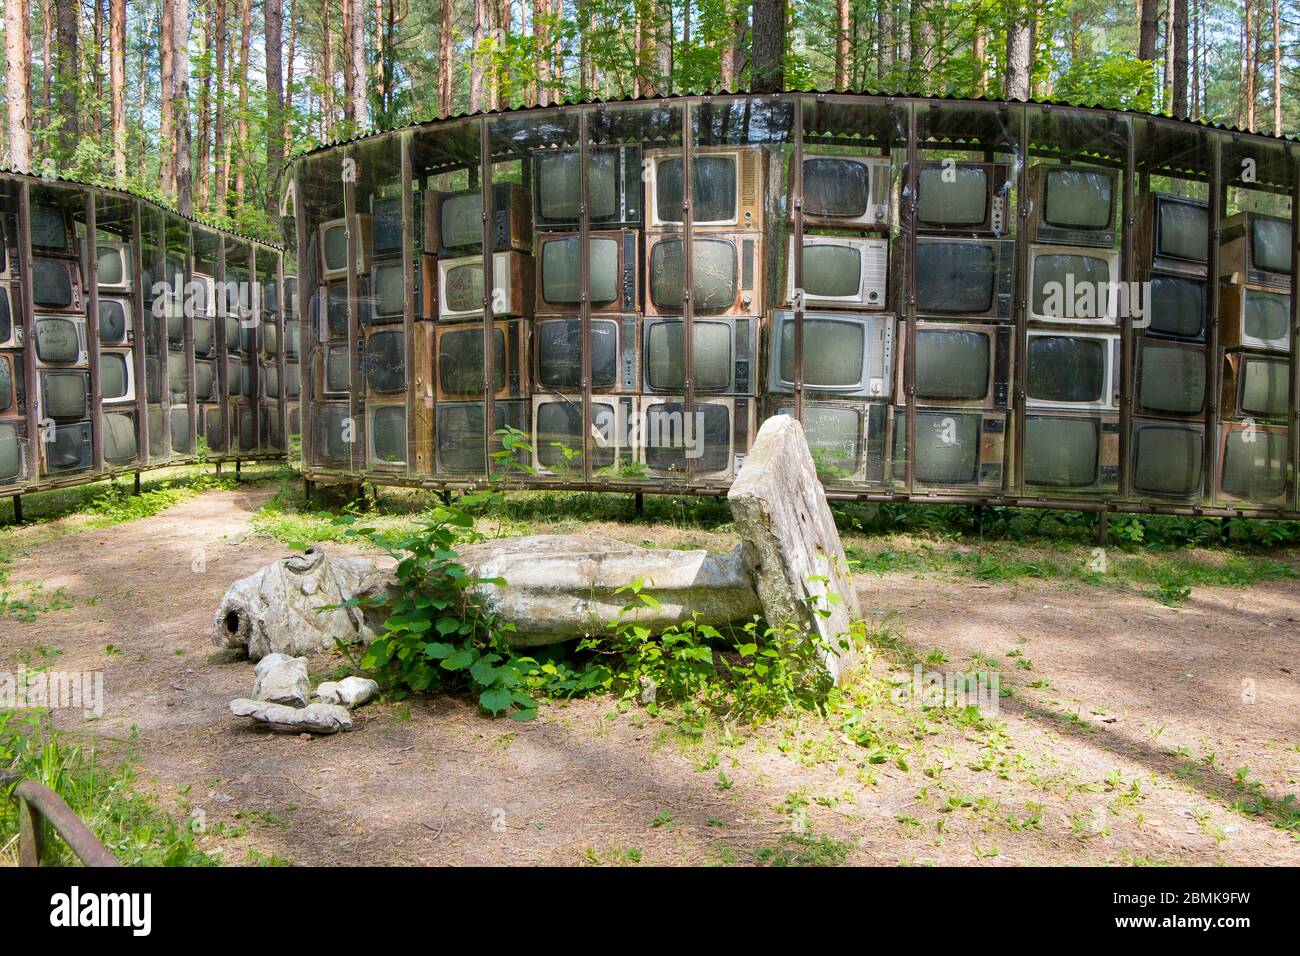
x,y
349,692
281,679
313,719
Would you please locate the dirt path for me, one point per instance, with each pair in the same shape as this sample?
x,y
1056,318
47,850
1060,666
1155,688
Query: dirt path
x,y
431,781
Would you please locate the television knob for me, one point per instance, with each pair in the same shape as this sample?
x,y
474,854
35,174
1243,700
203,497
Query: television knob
x,y
746,299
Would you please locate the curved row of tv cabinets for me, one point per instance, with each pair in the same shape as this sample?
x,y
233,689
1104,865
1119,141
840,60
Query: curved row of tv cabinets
x,y
964,301
133,338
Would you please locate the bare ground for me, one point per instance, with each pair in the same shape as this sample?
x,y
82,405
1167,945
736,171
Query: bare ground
x,y
1126,752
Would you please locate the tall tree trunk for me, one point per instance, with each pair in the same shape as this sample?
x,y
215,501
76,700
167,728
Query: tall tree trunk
x,y
245,35
842,45
97,67
885,39
663,48
18,90
47,56
167,113
220,144
116,84
767,73
1196,60
1019,50
203,150
445,28
327,61
979,58
288,79
381,56
68,75
1180,58
1277,71
273,13
359,63
1148,17
181,104
476,71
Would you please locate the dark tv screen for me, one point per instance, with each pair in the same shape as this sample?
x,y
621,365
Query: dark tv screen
x,y
11,458
388,288
558,185
70,448
463,285
713,188
460,361
836,188
109,268
386,361
1182,230
952,365
560,270
49,227
119,438
1264,388
1078,198
1061,452
202,336
58,341
1062,269
112,320
1270,244
1167,460
335,247
1171,379
560,423
338,370
388,432
1176,306
952,195
459,428
1267,316
204,381
1066,368
666,359
6,316
330,445
834,436
65,395
834,352
947,447
713,437
955,277
113,375
714,274
7,381
51,284
461,219
559,353
336,310
832,270
1255,469
386,226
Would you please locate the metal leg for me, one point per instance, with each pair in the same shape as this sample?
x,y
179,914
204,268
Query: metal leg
x,y
979,521
639,505
1102,530
237,464
137,483
18,509
307,487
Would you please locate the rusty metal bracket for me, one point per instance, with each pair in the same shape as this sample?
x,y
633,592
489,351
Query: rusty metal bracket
x,y
38,806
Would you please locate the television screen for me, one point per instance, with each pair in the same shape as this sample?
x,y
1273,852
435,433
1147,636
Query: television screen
x,y
1270,244
559,353
460,361
713,189
204,381
1062,452
834,353
952,365
247,428
112,320
65,395
1176,306
666,360
947,447
459,429
234,338
1182,230
832,270
271,338
461,220
6,316
330,443
463,286
558,185
109,267
119,438
560,424
70,448
955,277
1267,317
58,341
386,226
714,275
388,290
1078,198
7,382
833,435
1061,272
271,379
952,195
338,369
560,275
835,188
1067,368
49,228
114,376
1264,388
666,445
1167,459
178,377
292,338
334,245
336,310
386,361
182,432
51,284
1171,379
11,452
388,433
202,336
1254,464
292,380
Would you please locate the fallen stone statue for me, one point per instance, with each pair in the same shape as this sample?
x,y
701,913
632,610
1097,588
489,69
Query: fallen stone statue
x,y
790,568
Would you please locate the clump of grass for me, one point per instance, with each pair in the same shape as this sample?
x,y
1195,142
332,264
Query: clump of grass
x,y
804,849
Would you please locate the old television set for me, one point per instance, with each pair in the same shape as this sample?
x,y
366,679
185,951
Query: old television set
x,y
385,227
461,293
1253,463
1170,378
246,416
114,269
13,396
68,448
845,273
385,362
60,340
1168,459
1072,370
213,421
612,271
153,376
558,433
292,338
334,246
178,378
334,320
726,273
844,354
724,355
205,380
272,431
963,365
235,336
707,446
239,377
65,394
962,197
458,352
972,278
1178,233
205,338
182,429
292,380
1071,453
116,376
336,372
270,380
51,228
1255,317
1255,386
1256,249
156,430
13,452
726,187
388,292
116,325
613,187
56,285
1175,307
119,437
331,444
846,439
614,348
453,222
270,338
1073,285
952,448
846,192
271,295
11,322
1073,205
386,435
461,439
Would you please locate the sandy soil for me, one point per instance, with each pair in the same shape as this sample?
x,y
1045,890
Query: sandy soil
x,y
1128,754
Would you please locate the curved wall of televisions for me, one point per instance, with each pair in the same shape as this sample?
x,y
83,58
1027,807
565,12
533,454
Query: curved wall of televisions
x,y
132,337
963,301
